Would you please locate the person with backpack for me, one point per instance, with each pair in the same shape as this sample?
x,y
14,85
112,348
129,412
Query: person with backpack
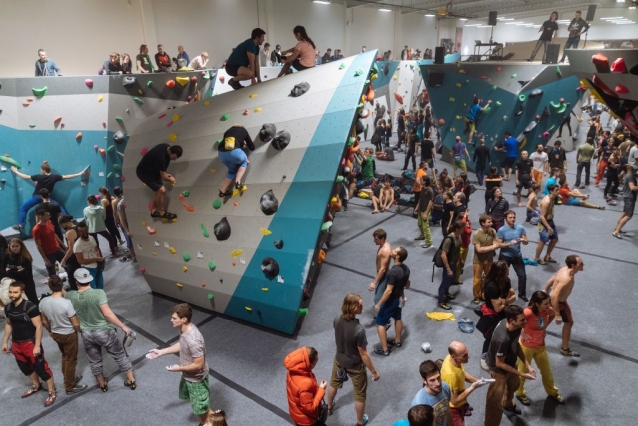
x,y
450,255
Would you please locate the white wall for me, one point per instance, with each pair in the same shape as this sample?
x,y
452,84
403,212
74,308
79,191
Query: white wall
x,y
371,28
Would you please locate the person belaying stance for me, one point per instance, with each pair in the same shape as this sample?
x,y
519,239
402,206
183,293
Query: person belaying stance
x,y
151,170
233,155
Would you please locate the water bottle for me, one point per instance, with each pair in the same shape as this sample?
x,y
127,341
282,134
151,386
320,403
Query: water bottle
x,y
129,338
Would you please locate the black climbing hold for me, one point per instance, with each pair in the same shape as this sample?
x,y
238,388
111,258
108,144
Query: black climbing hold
x,y
119,137
523,82
279,244
359,127
546,112
520,111
267,132
386,69
281,140
128,81
222,229
535,93
634,69
300,89
269,203
270,267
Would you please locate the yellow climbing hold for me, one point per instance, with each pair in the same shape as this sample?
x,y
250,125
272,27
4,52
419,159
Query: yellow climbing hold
x,y
100,98
257,109
458,85
176,117
249,309
395,77
154,253
182,80
213,170
180,285
185,268
264,289
172,250
452,99
172,137
461,71
458,117
252,95
236,253
206,103
265,231
140,92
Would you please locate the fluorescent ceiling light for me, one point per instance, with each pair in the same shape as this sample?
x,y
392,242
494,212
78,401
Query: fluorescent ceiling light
x,y
613,17
463,19
632,7
384,10
484,26
321,1
472,25
620,1
507,19
625,23
429,14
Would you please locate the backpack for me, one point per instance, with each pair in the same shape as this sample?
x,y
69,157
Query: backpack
x,y
437,259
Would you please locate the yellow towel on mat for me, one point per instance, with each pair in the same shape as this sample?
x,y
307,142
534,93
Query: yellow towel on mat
x,y
440,316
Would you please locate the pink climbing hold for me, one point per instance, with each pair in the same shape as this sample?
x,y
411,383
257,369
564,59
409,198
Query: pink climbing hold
x,y
621,89
203,72
57,120
150,206
89,83
619,66
143,270
143,151
194,79
546,135
123,179
95,147
169,124
498,68
159,117
222,78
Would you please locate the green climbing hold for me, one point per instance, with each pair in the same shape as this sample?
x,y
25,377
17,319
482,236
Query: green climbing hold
x,y
559,73
9,160
217,204
513,75
138,100
350,141
522,98
302,312
339,179
186,256
498,103
326,225
204,231
206,76
212,266
360,106
186,193
32,125
367,81
111,148
149,83
225,117
494,87
119,120
210,296
110,175
375,68
342,66
117,166
40,92
487,110
217,142
358,72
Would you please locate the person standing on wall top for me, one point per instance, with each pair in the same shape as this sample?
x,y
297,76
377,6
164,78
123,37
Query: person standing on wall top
x,y
302,55
143,60
243,62
45,67
151,170
549,29
44,180
232,154
577,27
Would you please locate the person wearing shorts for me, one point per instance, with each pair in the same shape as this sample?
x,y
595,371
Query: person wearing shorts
x,y
352,356
459,150
472,116
629,192
523,176
151,170
193,385
232,154
546,227
243,62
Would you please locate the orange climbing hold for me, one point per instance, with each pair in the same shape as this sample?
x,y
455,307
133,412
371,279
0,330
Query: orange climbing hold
x,y
185,204
25,104
245,112
78,136
399,98
103,152
57,120
170,84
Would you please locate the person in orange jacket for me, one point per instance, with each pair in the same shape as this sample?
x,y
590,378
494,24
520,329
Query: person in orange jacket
x,y
304,394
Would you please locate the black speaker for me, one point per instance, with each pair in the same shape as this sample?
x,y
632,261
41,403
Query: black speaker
x,y
552,53
590,13
492,18
435,79
439,55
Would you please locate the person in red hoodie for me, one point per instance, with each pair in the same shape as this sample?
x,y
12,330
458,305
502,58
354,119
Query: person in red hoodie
x,y
304,394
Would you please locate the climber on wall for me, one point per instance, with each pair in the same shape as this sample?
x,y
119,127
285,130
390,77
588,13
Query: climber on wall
x,y
232,154
472,116
151,170
45,179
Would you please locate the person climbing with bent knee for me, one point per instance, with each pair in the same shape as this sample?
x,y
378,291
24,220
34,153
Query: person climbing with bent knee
x,y
151,170
232,154
243,63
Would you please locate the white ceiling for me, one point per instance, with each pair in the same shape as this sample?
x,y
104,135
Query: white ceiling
x,y
481,8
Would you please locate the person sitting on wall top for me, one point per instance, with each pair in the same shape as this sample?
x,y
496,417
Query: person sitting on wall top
x,y
233,155
302,55
162,59
126,64
327,57
45,67
181,54
112,65
199,62
144,64
243,62
44,180
151,170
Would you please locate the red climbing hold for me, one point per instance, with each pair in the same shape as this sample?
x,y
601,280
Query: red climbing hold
x,y
159,117
399,98
621,89
619,66
194,79
88,82
601,62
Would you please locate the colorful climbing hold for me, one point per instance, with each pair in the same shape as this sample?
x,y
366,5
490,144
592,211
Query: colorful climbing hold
x,y
186,193
40,92
78,137
209,296
89,83
172,250
398,98
257,109
159,117
186,256
217,204
458,85
302,312
236,253
252,95
143,270
169,124
212,266
358,72
264,289
513,75
170,84
249,309
326,225
265,231
32,125
185,204
138,100
119,120
180,285
452,99
185,268
117,167
559,72
100,98
149,83
25,104
150,230
225,117
621,89
102,152
245,112
204,231
172,137
183,81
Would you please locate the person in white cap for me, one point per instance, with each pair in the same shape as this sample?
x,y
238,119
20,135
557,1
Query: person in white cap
x,y
96,322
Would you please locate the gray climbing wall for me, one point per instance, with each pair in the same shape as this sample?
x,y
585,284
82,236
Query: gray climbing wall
x,y
184,260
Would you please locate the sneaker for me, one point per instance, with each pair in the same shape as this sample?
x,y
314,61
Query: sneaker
x,y
234,84
32,390
239,185
51,399
617,235
445,306
76,389
449,296
569,352
365,421
581,187
380,351
524,298
556,397
523,399
419,238
105,387
393,342
513,409
484,365
131,384
426,245
476,301
156,214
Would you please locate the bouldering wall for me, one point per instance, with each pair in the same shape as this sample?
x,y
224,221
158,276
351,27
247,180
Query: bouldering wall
x,y
185,259
73,122
527,100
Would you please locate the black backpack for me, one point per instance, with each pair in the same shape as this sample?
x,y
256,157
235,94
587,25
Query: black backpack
x,y
437,259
